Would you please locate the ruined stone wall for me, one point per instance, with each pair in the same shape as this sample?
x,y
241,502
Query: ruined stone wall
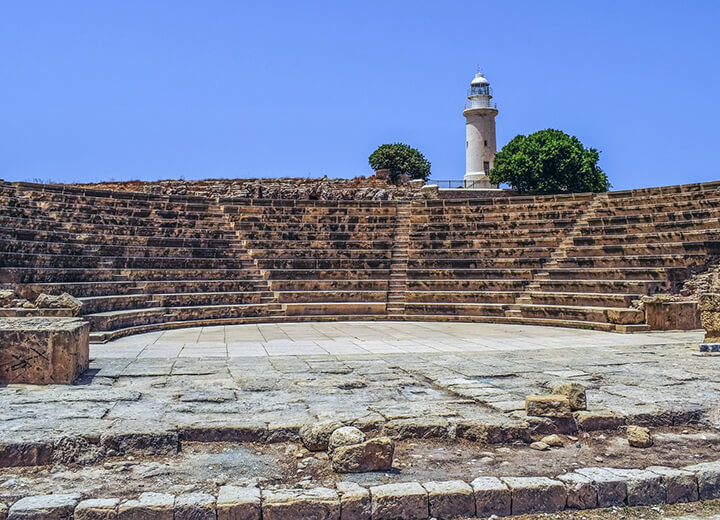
x,y
358,188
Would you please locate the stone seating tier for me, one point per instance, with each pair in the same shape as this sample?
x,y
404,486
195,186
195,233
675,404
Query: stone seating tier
x,y
140,262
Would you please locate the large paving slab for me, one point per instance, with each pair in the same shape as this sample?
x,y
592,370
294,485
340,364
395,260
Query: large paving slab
x,y
144,394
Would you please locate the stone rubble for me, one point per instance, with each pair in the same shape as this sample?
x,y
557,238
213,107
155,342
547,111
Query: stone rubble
x,y
372,455
639,437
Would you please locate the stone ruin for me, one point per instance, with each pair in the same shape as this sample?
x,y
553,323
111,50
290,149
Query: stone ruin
x,y
211,253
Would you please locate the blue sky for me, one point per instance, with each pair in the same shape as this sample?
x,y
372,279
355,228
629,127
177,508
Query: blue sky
x,y
161,89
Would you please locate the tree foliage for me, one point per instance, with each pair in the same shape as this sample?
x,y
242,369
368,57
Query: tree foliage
x,y
549,161
401,160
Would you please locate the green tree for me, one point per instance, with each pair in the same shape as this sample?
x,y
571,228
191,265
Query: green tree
x,y
549,161
401,160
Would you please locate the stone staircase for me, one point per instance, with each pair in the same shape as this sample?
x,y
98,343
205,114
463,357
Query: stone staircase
x,y
399,262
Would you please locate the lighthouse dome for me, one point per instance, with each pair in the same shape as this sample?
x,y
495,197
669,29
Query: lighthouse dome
x,y
479,80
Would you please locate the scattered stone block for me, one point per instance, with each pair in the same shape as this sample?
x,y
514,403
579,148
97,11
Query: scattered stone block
x,y
581,491
547,406
492,497
64,301
680,485
195,506
639,437
575,392
644,488
535,494
540,446
708,479
44,507
315,437
43,350
598,420
345,436
391,501
149,506
553,440
238,503
373,455
300,504
354,501
611,488
97,509
3,509
450,499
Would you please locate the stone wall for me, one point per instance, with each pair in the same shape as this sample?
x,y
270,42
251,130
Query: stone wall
x,y
358,188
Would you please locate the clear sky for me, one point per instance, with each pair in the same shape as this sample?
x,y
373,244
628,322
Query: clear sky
x,y
137,89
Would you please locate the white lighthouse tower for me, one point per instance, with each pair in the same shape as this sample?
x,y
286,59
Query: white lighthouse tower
x,y
479,134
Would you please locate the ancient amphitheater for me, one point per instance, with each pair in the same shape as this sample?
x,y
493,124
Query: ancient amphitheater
x,y
234,336
142,262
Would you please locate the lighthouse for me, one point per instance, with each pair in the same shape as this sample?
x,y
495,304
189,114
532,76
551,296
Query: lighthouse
x,y
479,134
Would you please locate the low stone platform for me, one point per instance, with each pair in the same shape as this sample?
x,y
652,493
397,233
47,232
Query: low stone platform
x,y
42,350
260,383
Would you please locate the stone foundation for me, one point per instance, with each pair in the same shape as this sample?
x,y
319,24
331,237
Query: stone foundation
x,y
43,350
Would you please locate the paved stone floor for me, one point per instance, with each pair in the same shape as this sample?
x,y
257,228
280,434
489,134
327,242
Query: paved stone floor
x,y
261,382
366,339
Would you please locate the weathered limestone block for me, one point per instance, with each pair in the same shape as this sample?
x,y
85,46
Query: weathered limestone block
x,y
238,503
345,436
611,488
416,428
708,479
661,314
639,437
450,499
575,392
64,301
195,506
709,305
130,437
44,507
680,485
492,497
581,491
97,509
315,437
149,506
625,316
535,494
354,501
407,501
548,406
300,504
598,420
644,488
373,455
43,350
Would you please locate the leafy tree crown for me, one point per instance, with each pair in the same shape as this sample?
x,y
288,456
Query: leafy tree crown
x,y
401,160
549,161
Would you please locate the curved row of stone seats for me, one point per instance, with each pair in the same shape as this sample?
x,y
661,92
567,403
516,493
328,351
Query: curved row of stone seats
x,y
137,261
473,259
320,258
631,244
